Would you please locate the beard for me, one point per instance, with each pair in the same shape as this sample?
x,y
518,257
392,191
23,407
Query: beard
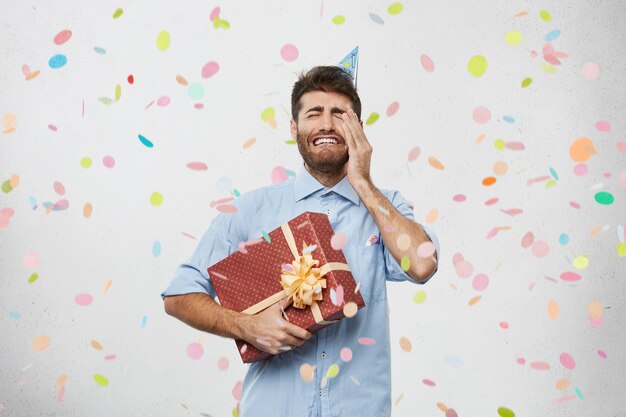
x,y
327,161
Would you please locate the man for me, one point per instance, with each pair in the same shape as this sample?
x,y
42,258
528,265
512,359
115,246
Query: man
x,y
335,179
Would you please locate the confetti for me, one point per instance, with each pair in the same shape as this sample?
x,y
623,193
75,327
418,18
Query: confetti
x,y
345,354
222,364
459,198
268,115
604,198
567,360
209,69
249,143
289,52
28,74
403,241
156,199
339,20
62,37
376,19
481,115
553,310
405,263
195,351
350,309
435,163
5,217
101,380
540,248
480,282
552,35
31,260
427,63
307,372
395,8
333,371
96,345
163,40
373,117
405,344
526,82
540,366
83,299
41,343
591,70
9,121
513,37
366,341
393,108
279,175
477,65
505,412
156,248
414,153
195,91
419,297
197,166
147,143
118,13
338,241
57,61
108,161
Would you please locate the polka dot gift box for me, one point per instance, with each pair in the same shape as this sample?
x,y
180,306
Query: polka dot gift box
x,y
294,260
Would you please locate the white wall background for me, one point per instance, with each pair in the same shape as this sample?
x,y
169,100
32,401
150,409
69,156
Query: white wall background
x,y
477,365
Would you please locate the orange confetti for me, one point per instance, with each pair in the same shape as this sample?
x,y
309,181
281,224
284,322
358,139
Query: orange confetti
x,y
480,138
96,345
14,180
553,310
41,343
562,384
181,80
434,162
107,285
61,380
405,344
350,309
249,143
432,216
500,168
595,232
272,121
489,181
520,14
474,300
582,149
442,407
595,310
87,210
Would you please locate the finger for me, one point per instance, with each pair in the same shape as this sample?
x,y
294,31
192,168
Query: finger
x,y
285,302
298,332
347,134
357,127
353,126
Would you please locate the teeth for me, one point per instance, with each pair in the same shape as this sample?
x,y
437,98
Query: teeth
x,y
324,140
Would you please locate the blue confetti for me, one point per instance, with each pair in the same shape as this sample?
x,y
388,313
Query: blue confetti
x,y
509,119
236,193
144,321
99,50
32,201
145,141
579,393
564,239
554,174
57,61
156,248
377,19
454,361
290,173
15,315
266,236
552,35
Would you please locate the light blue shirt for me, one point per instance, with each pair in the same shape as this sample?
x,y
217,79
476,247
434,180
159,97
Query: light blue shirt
x,y
274,387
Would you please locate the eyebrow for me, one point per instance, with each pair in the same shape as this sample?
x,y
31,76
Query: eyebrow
x,y
321,109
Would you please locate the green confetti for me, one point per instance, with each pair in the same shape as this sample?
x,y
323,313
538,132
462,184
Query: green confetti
x,y
266,236
105,100
33,278
267,113
118,13
550,183
604,198
236,192
118,92
101,380
499,144
235,412
545,16
554,174
339,20
505,412
333,371
419,297
156,199
372,118
6,186
395,8
291,142
579,393
621,249
526,82
405,264
163,40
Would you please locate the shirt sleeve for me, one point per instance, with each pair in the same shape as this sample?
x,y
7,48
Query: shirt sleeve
x,y
220,240
392,268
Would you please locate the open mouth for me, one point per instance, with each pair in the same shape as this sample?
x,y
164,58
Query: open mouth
x,y
325,141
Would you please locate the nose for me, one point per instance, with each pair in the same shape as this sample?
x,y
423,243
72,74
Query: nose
x,y
327,121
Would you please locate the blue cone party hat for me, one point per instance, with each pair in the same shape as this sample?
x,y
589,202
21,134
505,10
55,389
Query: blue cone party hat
x,y
350,64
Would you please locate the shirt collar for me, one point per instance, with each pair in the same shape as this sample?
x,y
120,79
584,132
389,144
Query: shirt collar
x,y
305,185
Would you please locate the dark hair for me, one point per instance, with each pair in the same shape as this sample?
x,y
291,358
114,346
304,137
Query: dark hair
x,y
328,79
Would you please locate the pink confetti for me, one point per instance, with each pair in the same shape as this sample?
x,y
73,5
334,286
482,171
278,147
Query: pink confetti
x,y
480,282
366,341
83,299
338,241
61,205
345,354
567,360
52,127
226,208
61,393
574,204
110,357
195,351
163,101
198,106
459,198
621,146
464,269
492,232
591,70
263,342
62,37
428,382
504,325
514,146
210,69
31,260
603,126
528,239
197,166
580,169
393,108
279,175
426,249
339,295
602,354
521,361
58,188
622,179
214,13
108,161
451,413
570,276
427,63
512,212
5,217
414,153
540,249
540,366
481,115
456,259
289,52
492,201
237,390
222,364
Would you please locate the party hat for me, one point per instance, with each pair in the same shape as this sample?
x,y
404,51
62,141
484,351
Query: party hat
x,y
350,64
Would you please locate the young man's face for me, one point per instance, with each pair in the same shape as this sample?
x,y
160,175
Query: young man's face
x,y
317,131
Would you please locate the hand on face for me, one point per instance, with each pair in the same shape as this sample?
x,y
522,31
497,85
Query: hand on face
x,y
359,148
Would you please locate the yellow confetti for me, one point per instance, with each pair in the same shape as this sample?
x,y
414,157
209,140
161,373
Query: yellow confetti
x,y
181,80
474,300
434,162
432,216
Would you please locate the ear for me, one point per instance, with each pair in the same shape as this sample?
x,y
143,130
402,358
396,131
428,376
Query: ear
x,y
293,127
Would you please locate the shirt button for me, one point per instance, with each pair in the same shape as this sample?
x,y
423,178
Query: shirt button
x,y
328,212
323,355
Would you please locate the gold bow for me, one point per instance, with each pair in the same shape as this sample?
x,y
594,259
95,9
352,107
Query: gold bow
x,y
304,283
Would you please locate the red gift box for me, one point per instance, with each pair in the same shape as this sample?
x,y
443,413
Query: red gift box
x,y
296,261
